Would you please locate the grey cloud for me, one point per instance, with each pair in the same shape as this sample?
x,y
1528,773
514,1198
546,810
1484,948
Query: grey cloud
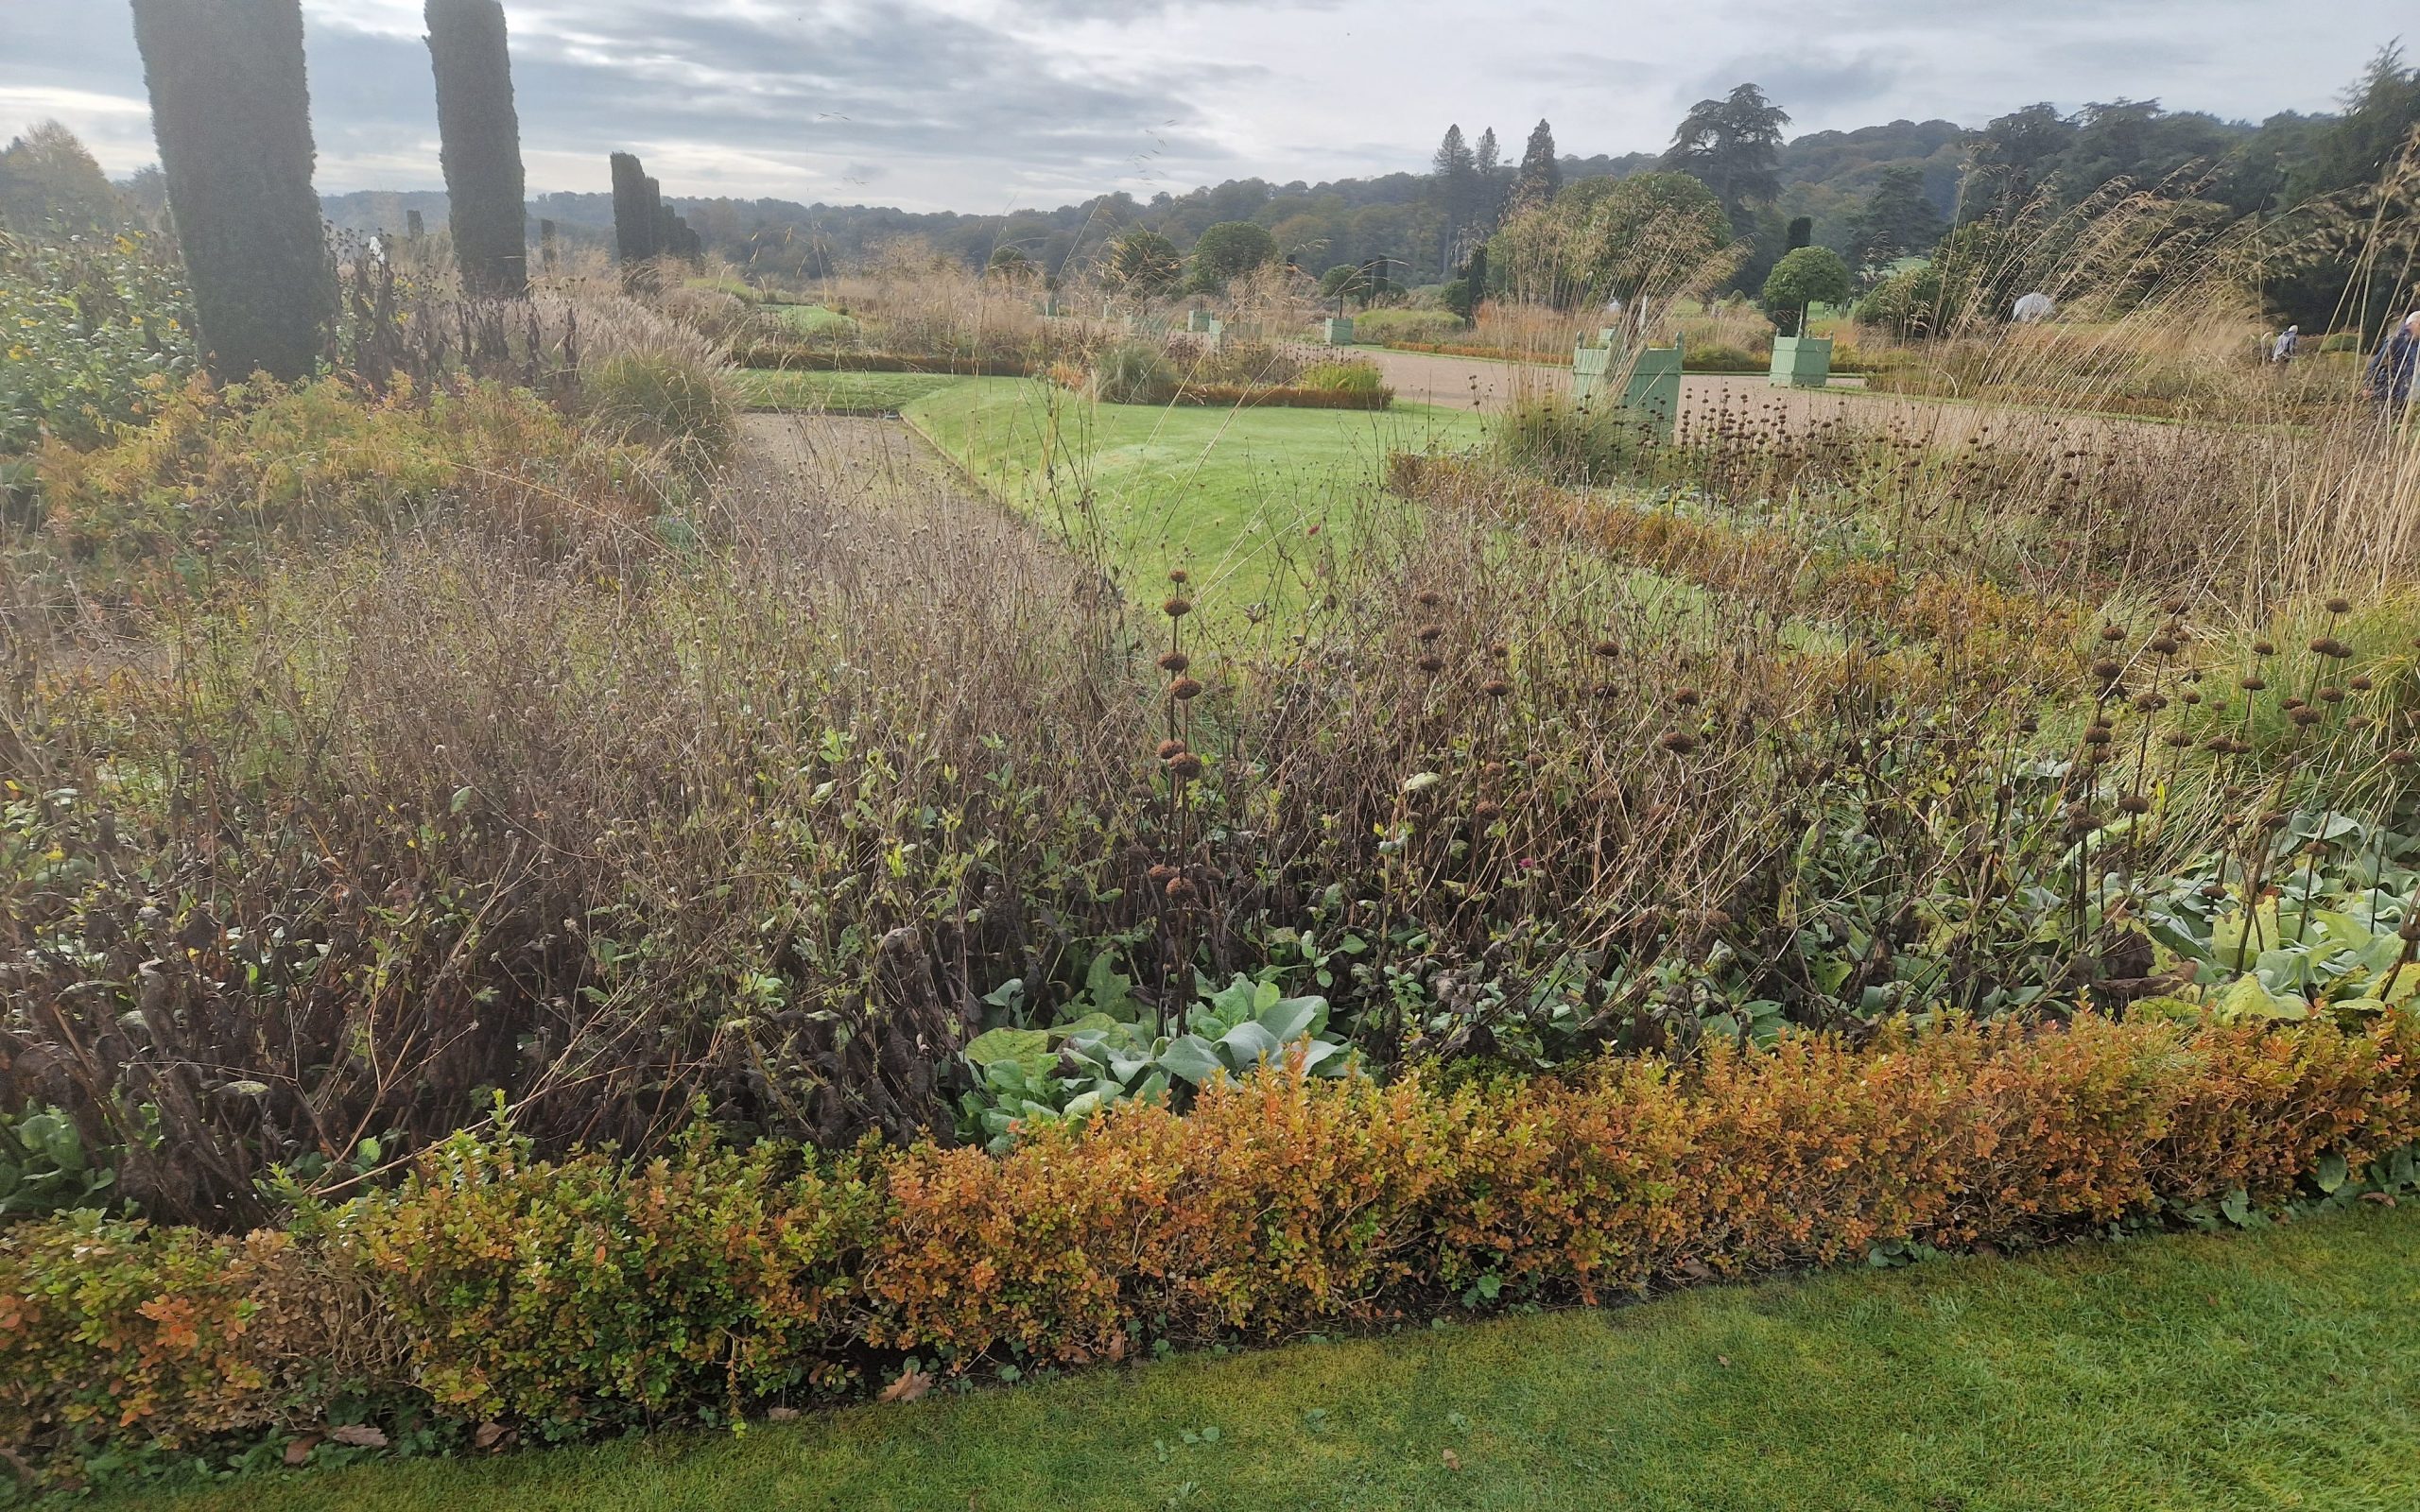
x,y
1811,80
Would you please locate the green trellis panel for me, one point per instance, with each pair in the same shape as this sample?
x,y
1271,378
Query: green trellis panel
x,y
1652,389
1802,362
1338,330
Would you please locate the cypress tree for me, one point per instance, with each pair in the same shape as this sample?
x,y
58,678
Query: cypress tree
x,y
667,229
549,248
1802,232
231,106
481,135
414,228
634,212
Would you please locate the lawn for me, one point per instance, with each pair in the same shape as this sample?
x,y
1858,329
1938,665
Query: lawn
x,y
764,388
2243,1371
1228,494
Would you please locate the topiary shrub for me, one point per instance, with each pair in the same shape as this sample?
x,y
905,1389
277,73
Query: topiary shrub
x,y
231,104
480,132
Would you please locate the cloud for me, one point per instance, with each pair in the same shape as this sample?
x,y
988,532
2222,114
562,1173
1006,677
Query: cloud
x,y
1812,81
970,104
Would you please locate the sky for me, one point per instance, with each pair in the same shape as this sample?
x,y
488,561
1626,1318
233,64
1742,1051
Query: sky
x,y
987,106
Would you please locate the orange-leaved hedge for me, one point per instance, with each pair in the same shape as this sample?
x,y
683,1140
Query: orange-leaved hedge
x,y
599,1290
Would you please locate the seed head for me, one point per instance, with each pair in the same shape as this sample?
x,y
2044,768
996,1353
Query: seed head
x,y
1430,634
2361,683
2340,605
1185,689
2263,648
2111,632
1185,767
1177,609
1428,598
1171,750
1679,742
1180,576
1495,687
1175,661
1609,648
2134,803
2106,670
2163,645
1432,665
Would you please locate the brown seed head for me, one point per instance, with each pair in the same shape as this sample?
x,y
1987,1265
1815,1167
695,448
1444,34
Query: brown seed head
x,y
1174,661
1177,609
1679,742
1184,688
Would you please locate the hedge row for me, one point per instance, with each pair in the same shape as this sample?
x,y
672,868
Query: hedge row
x,y
1284,396
494,1290
803,359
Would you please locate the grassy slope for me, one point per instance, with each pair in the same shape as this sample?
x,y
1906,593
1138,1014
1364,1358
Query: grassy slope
x,y
2247,1372
1219,491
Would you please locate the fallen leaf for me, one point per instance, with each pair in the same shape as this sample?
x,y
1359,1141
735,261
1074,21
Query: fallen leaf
x,y
783,1414
1116,1348
1453,1461
1722,1360
489,1435
298,1450
908,1387
358,1435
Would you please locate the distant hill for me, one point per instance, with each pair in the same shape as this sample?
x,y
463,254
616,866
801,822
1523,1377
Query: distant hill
x,y
1825,175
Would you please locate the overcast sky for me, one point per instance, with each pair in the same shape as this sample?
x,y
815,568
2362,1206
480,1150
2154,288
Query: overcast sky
x,y
989,105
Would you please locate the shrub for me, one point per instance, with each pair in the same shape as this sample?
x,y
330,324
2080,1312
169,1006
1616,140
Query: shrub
x,y
1388,327
479,135
601,1291
606,1290
232,109
235,468
120,1341
94,335
1134,373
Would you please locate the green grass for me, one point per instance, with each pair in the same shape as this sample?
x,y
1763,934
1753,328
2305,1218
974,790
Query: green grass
x,y
2228,1373
1228,494
813,320
764,388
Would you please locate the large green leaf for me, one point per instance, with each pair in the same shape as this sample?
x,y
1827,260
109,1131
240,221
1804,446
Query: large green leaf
x,y
1190,1057
986,1049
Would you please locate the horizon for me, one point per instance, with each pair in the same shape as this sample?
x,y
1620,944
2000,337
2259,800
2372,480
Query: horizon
x,y
620,75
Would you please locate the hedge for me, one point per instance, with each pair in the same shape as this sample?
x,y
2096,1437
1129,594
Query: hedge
x,y
801,359
496,1290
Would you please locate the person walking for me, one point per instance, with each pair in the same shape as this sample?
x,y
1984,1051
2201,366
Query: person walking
x,y
2389,383
2288,345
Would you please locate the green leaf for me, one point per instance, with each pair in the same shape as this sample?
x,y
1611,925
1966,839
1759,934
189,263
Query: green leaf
x,y
1192,1058
987,1049
2332,1174
1248,1046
